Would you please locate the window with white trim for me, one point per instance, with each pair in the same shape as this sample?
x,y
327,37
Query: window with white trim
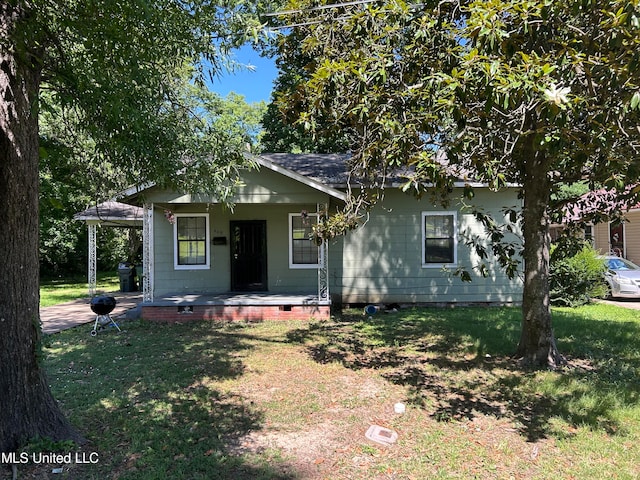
x,y
439,239
303,252
191,241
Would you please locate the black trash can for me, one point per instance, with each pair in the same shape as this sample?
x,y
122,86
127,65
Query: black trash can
x,y
127,274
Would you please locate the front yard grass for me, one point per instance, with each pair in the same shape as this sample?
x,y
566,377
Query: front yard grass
x,y
54,291
294,400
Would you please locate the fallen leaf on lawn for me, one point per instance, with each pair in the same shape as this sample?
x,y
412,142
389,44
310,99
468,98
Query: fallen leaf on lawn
x,y
131,459
534,452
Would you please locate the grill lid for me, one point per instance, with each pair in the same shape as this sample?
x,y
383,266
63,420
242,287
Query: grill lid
x,y
103,305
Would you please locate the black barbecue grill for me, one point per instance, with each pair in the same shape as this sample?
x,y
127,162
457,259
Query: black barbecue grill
x,y
102,306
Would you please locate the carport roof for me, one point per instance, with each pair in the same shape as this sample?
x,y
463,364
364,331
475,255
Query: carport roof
x,y
112,213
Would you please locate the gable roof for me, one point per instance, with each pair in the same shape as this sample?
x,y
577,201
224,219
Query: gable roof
x,y
333,169
322,172
327,168
325,172
319,172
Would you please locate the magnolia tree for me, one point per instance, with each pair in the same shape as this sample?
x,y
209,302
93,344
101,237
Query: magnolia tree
x,y
533,93
116,71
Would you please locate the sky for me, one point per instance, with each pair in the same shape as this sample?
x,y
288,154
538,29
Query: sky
x,y
255,85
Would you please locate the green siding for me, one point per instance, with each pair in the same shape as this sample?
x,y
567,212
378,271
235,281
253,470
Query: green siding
x,y
260,187
382,260
281,279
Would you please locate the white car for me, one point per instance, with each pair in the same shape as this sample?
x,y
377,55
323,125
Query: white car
x,y
623,277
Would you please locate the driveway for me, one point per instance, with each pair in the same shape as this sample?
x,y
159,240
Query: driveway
x,y
78,312
633,304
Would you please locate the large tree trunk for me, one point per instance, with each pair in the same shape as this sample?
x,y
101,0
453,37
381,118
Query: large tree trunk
x,y
27,408
537,345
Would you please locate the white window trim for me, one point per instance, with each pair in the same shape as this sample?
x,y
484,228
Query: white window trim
x,y
207,264
455,239
299,265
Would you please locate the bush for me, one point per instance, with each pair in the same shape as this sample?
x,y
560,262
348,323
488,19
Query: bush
x,y
577,274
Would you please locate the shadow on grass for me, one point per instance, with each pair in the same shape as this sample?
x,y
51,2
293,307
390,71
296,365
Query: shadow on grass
x,y
149,401
456,363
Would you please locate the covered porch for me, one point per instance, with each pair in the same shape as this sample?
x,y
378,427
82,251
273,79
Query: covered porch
x,y
185,306
211,293
255,261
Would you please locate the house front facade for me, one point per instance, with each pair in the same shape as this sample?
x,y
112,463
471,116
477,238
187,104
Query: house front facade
x,y
257,261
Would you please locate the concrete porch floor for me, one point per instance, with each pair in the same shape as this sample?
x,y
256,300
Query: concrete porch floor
x,y
237,298
236,306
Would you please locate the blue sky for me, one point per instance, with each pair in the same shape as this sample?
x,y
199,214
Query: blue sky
x,y
255,85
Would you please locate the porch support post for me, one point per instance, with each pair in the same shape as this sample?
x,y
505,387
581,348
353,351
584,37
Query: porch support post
x,y
147,253
323,273
92,227
323,263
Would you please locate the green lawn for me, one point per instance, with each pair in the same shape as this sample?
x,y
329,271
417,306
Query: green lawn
x,y
294,400
54,291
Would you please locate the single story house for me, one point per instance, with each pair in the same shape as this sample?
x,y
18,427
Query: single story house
x,y
256,261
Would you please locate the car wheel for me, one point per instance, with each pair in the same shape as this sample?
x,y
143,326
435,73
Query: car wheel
x,y
609,295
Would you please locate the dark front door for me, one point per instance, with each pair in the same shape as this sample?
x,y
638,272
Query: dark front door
x,y
249,255
616,237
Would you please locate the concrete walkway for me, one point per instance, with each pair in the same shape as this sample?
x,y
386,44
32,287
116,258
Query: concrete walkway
x,y
78,312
